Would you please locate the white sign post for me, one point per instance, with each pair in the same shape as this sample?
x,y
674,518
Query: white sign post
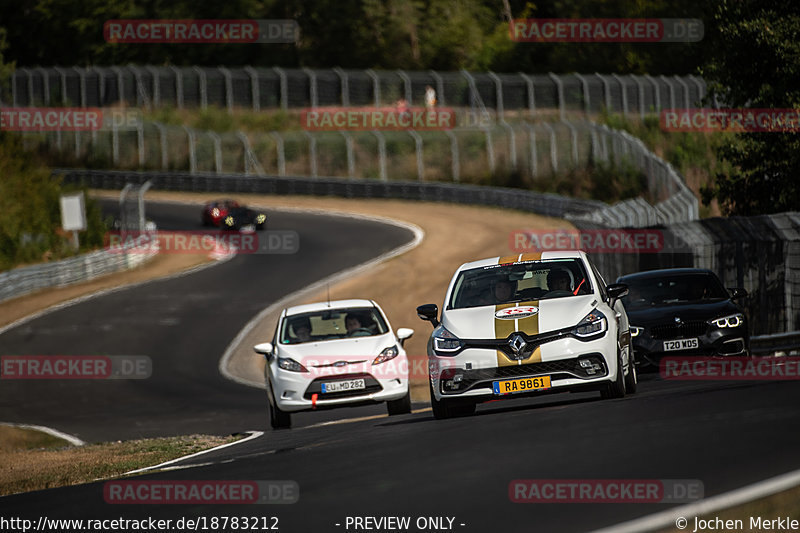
x,y
73,215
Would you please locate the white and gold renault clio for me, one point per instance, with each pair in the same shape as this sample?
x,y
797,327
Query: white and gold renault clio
x,y
526,325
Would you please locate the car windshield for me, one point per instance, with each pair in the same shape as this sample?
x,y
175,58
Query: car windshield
x,y
520,282
331,324
673,289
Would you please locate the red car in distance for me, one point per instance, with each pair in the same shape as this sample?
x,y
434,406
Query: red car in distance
x,y
215,211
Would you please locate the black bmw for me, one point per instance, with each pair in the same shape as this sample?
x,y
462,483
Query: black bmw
x,y
683,311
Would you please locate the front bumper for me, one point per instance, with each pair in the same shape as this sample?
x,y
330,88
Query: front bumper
x,y
470,374
731,342
294,391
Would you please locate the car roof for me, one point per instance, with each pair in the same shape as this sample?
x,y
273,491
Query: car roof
x,y
337,304
546,256
649,274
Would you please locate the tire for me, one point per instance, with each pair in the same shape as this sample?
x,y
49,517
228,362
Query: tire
x,y
616,388
443,408
401,406
632,379
278,419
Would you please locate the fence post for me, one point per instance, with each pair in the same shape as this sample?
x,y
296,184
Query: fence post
x,y
573,140
155,73
63,74
46,85
420,164
178,86
406,83
192,150
560,90
228,88
217,151
439,87
142,100
162,134
685,91
456,162
498,95
312,86
531,96
586,95
345,86
656,91
381,154
14,101
140,142
701,89
114,143
553,147
284,88
281,152
142,190
351,162
671,91
312,152
532,146
624,94
255,93
29,76
640,86
203,82
376,86
606,91
490,149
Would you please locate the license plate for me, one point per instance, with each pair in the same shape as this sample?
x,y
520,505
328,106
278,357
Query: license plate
x,y
510,386
339,386
680,344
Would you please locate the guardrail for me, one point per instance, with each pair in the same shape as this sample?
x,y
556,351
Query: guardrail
x,y
786,343
21,281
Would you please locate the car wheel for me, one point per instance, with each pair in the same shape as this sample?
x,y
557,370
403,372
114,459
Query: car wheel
x,y
401,406
632,379
616,388
278,419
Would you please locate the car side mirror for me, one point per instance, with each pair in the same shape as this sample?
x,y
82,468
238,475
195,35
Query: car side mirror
x,y
737,293
429,312
265,348
403,334
616,291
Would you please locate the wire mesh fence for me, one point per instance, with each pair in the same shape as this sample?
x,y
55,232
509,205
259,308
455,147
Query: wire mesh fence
x,y
270,88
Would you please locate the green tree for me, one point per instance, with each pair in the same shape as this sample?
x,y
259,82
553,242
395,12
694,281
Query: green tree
x,y
756,64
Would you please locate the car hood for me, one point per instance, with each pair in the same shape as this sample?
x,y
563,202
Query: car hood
x,y
701,310
553,314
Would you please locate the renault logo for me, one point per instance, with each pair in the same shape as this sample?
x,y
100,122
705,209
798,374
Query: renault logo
x,y
517,343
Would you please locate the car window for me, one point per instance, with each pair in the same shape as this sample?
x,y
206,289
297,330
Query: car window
x,y
672,289
519,282
331,324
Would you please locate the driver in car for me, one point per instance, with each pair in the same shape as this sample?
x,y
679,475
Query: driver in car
x,y
558,279
352,323
302,329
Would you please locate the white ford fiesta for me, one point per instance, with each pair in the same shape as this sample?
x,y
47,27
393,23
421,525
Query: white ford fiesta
x,y
526,325
335,354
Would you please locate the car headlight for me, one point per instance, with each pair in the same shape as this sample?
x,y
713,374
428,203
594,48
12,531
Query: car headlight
x,y
388,353
594,323
261,218
446,342
732,321
287,363
215,212
229,220
636,330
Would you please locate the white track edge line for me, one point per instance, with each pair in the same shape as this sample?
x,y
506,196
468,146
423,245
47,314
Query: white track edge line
x,y
748,493
75,441
253,435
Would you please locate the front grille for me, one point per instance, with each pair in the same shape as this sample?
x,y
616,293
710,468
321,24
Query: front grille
x,y
315,387
532,342
692,328
568,368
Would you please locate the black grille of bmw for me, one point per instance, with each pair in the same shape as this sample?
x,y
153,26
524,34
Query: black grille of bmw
x,y
692,328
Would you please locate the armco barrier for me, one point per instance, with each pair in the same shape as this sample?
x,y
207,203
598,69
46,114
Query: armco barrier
x,y
541,203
